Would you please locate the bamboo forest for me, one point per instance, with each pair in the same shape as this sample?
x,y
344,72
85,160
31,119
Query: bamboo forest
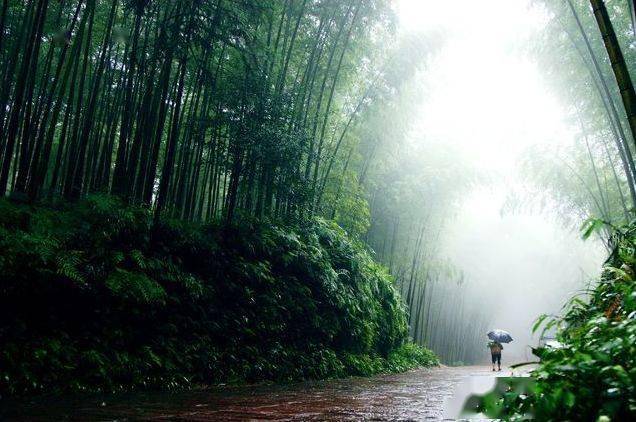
x,y
317,210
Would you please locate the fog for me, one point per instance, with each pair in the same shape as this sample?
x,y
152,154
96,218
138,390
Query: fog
x,y
518,266
488,100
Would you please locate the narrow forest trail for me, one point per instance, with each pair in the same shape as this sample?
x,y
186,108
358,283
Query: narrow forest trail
x,y
425,394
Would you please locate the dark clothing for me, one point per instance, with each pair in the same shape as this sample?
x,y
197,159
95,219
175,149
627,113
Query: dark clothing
x,y
496,358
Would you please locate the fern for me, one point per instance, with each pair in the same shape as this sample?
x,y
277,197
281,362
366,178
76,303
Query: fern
x,y
135,286
185,303
67,263
138,258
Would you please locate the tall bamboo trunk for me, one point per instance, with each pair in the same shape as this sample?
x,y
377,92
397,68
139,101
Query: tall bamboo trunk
x,y
170,147
617,61
28,64
77,181
119,176
606,96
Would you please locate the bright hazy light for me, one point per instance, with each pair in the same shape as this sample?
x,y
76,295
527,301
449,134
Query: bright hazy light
x,y
485,97
484,94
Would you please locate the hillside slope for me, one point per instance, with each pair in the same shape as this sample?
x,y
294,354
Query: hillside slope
x,y
93,297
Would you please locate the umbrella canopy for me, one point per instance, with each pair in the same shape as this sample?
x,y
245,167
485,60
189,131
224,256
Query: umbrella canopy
x,y
500,336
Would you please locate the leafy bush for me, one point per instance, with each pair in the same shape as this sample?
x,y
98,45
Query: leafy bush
x,y
93,297
409,356
593,376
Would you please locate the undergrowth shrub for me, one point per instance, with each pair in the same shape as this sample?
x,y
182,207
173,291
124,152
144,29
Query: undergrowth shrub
x,y
93,297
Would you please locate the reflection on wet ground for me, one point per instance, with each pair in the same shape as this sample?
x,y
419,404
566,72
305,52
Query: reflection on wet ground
x,y
425,394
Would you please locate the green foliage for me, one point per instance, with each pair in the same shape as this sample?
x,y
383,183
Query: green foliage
x,y
592,225
593,376
591,174
135,286
268,94
93,297
409,356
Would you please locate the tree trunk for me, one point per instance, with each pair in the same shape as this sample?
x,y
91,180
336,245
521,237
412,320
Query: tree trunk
x,y
28,63
608,102
617,60
170,147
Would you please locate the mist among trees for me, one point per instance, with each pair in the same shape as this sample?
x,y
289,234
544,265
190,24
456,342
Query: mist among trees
x,y
370,185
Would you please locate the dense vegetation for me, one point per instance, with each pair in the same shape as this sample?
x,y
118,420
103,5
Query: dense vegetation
x,y
203,114
218,110
187,171
93,296
594,375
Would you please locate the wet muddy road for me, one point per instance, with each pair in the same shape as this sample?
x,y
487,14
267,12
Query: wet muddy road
x,y
424,394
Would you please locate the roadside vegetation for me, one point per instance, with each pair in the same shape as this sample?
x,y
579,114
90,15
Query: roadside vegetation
x,y
95,297
591,373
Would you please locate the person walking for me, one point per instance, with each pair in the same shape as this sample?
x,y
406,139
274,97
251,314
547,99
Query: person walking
x,y
495,353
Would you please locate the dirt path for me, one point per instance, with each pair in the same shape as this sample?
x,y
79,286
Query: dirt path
x,y
426,394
